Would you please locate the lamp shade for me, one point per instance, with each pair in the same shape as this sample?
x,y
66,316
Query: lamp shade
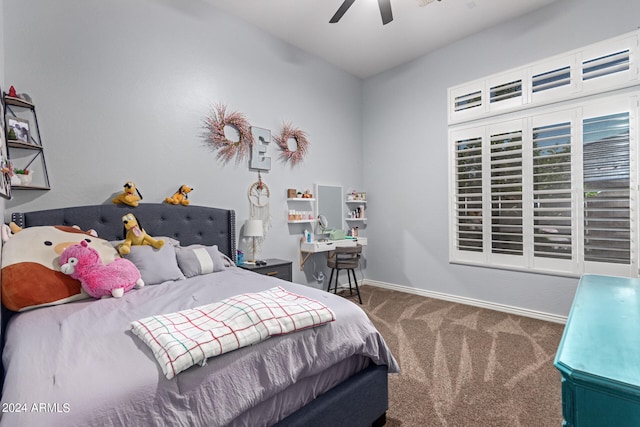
x,y
253,228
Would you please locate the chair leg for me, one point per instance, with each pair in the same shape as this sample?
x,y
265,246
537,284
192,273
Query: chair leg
x,y
355,279
335,284
330,278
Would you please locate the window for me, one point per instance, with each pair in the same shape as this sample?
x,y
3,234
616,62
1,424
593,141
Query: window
x,y
550,191
544,164
594,69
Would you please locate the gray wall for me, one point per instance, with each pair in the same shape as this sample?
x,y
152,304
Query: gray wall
x,y
413,220
121,89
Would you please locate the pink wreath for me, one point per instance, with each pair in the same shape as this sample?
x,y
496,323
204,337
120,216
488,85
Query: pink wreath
x,y
288,132
215,124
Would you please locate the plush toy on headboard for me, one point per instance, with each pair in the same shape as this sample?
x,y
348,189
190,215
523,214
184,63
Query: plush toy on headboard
x,y
135,235
97,279
130,196
180,197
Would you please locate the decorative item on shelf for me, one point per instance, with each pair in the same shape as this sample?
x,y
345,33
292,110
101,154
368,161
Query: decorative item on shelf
x,y
253,229
24,176
13,177
12,92
295,215
355,196
307,195
291,193
130,196
215,124
180,197
308,236
18,130
293,136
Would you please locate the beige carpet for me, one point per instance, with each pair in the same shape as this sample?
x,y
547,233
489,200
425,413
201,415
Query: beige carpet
x,y
466,366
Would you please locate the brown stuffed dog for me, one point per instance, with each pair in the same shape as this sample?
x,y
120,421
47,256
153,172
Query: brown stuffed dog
x,y
135,235
180,197
130,196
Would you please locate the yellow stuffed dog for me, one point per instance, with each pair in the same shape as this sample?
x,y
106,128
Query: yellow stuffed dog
x,y
180,197
130,196
135,235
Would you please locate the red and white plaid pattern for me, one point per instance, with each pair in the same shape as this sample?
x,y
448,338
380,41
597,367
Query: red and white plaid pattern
x,y
182,339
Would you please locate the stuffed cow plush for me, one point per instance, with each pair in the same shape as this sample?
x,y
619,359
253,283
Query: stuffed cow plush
x,y
31,275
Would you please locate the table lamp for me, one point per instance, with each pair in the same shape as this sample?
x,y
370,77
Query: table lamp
x,y
253,228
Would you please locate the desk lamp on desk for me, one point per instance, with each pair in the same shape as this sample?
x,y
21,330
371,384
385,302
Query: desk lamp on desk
x,y
253,228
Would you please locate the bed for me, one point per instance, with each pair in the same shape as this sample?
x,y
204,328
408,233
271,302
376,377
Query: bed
x,y
78,363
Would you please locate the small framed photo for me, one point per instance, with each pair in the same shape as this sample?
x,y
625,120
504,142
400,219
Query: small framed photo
x,y
18,130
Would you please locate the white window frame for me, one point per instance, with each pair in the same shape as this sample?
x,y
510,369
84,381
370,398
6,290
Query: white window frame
x,y
527,121
576,89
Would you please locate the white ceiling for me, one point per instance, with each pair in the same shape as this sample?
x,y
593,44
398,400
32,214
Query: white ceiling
x,y
359,43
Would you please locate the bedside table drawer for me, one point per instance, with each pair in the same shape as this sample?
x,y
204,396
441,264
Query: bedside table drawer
x,y
281,272
275,268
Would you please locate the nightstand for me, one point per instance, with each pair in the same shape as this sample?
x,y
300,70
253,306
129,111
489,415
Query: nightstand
x,y
275,267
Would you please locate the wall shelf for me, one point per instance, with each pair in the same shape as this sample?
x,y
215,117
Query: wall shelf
x,y
26,153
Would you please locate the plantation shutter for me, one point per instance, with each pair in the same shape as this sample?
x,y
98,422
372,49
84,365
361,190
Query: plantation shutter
x,y
551,79
605,65
468,100
552,195
606,180
544,164
468,194
506,193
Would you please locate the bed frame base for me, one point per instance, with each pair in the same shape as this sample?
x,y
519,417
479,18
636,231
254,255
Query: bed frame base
x,y
361,401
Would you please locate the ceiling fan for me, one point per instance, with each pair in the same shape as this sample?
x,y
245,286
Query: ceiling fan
x,y
385,11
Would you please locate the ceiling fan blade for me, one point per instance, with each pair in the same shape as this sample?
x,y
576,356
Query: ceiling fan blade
x,y
341,11
385,11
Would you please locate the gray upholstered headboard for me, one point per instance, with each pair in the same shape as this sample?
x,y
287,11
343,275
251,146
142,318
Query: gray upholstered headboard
x,y
188,224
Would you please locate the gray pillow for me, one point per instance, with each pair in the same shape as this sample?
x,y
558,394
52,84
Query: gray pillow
x,y
156,265
199,259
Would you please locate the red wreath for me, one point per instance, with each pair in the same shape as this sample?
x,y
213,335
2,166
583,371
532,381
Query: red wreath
x,y
288,132
215,124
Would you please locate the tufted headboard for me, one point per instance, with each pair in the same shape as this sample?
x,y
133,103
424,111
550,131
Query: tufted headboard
x,y
188,224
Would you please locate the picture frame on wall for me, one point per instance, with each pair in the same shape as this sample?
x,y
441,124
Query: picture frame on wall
x,y
18,130
5,178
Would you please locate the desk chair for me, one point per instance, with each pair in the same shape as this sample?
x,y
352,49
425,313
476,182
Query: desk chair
x,y
344,258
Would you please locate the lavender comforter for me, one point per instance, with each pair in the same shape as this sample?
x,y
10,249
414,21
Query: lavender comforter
x,y
79,363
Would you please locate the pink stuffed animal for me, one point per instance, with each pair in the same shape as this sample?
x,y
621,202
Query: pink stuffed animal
x,y
98,280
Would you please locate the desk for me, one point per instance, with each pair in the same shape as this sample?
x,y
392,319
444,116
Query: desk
x,y
307,249
599,354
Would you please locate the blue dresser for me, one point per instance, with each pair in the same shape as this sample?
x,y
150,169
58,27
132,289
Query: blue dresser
x,y
599,354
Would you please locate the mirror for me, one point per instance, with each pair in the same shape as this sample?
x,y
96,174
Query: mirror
x,y
329,205
322,220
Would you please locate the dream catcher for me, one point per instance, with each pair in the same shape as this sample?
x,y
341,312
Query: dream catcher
x,y
259,206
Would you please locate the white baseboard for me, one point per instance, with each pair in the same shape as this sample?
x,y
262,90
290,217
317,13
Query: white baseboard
x,y
470,301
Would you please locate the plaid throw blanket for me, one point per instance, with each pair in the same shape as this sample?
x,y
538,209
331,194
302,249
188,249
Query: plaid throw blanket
x,y
182,339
